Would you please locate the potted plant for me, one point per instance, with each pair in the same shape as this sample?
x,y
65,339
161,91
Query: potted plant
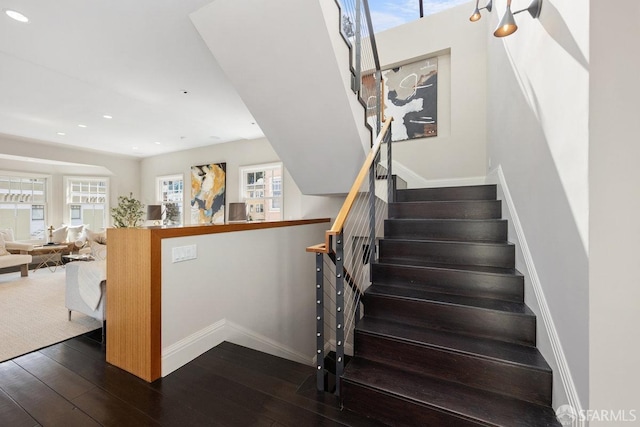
x,y
128,213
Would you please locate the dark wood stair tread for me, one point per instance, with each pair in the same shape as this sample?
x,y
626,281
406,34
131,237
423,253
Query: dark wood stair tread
x,y
431,265
451,242
467,192
453,229
449,299
465,402
501,351
450,290
445,203
431,239
449,252
461,209
498,284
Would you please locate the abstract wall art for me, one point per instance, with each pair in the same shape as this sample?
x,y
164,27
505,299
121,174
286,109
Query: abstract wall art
x,y
411,97
208,187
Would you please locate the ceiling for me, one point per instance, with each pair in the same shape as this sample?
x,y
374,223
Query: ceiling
x,y
142,62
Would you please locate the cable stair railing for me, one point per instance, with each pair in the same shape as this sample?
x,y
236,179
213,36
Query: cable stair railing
x,y
356,29
343,261
346,257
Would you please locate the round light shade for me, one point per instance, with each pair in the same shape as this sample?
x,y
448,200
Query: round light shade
x,y
476,16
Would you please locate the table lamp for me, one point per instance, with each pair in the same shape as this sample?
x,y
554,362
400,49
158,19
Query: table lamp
x,y
237,212
154,213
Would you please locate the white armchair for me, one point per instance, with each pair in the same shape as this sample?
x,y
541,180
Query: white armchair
x,y
75,301
19,253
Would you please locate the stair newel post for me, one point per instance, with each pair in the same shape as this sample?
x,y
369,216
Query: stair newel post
x,y
339,309
391,195
320,321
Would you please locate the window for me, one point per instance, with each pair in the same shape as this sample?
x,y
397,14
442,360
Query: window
x,y
87,201
76,212
170,190
37,212
23,205
276,187
261,190
386,14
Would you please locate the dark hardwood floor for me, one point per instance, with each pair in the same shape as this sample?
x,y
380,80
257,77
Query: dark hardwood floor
x,y
70,384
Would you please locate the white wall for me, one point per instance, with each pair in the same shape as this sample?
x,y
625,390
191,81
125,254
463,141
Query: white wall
x,y
234,154
459,150
254,288
123,172
538,81
614,177
289,77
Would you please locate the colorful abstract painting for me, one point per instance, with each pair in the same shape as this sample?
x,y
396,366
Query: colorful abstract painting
x,y
411,97
208,187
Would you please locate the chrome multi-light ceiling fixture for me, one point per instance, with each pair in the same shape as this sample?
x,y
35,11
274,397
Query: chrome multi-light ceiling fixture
x,y
507,24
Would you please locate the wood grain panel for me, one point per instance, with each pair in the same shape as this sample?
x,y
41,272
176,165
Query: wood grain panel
x,y
134,290
133,312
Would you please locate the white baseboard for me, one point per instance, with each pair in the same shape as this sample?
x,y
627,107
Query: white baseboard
x,y
188,348
497,176
414,180
240,335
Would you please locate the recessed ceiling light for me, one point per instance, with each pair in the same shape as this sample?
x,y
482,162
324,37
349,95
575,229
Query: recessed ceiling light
x,y
106,116
16,15
157,142
134,148
61,133
82,126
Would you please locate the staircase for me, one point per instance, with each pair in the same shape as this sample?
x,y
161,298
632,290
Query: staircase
x,y
446,339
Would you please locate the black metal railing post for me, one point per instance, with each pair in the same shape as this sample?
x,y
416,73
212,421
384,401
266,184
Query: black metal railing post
x,y
358,46
391,194
320,321
339,309
379,104
373,172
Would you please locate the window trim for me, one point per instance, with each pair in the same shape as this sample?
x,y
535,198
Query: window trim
x,y
48,190
66,214
243,170
170,177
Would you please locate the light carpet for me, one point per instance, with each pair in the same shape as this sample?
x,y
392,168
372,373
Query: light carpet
x,y
33,315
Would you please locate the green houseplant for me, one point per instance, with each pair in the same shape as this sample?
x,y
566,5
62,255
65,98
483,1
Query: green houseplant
x,y
128,212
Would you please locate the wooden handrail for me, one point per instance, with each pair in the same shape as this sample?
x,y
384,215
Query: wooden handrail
x,y
338,224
